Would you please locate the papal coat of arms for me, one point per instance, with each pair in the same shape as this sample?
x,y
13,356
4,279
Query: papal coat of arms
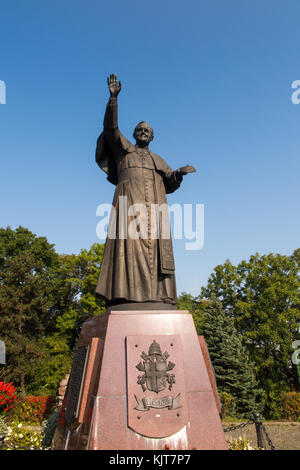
x,y
156,395
155,368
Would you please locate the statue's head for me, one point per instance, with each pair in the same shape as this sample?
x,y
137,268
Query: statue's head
x,y
143,134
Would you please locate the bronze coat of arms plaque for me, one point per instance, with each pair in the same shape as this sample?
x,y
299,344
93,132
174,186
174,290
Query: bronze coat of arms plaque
x,y
156,395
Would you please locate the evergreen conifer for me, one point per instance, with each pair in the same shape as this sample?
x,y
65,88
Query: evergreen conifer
x,y
234,372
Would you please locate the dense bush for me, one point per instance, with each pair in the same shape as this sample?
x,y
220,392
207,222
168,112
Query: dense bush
x,y
20,437
7,396
3,424
49,428
22,419
227,402
291,406
273,403
33,410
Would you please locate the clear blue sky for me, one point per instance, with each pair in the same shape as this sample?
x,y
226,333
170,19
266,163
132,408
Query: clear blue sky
x,y
212,77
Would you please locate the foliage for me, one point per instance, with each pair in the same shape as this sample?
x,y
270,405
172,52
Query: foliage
x,y
226,401
7,396
44,299
33,410
233,369
263,297
195,307
49,428
79,274
291,406
27,284
57,361
3,424
273,403
19,436
240,444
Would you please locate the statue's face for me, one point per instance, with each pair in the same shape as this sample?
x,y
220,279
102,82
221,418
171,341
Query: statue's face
x,y
143,134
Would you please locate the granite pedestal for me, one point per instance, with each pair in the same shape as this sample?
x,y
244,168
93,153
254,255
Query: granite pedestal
x,y
140,382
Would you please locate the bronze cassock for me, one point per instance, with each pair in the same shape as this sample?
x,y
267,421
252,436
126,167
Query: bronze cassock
x,y
136,269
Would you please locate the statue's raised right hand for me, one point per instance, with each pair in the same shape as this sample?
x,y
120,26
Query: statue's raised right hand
x,y
113,85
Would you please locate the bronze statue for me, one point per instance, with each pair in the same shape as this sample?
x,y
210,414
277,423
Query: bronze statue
x,y
136,269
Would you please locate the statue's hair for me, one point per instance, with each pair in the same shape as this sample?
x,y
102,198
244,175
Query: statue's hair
x,y
142,122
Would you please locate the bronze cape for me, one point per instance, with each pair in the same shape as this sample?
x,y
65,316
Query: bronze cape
x,y
142,269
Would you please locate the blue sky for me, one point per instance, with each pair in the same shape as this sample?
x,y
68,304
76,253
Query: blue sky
x,y
213,78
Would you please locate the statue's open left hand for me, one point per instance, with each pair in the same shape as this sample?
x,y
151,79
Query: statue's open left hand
x,y
113,85
184,170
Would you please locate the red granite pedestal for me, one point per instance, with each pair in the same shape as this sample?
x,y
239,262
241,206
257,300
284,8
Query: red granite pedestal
x,y
131,398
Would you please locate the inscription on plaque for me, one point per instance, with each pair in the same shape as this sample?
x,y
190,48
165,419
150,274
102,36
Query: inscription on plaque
x,y
76,384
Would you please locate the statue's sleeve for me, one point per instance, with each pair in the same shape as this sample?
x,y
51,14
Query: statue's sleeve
x,y
111,115
110,125
111,144
172,180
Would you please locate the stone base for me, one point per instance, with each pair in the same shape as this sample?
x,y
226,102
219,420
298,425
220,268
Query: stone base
x,y
121,405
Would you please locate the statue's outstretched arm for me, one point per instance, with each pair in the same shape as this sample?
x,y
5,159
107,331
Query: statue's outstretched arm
x,y
111,113
173,179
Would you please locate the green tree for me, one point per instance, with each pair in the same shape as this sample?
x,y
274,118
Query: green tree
x,y
78,278
195,307
44,299
75,300
234,371
263,297
27,285
55,362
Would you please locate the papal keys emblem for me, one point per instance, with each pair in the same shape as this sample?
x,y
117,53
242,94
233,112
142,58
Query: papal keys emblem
x,y
155,368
